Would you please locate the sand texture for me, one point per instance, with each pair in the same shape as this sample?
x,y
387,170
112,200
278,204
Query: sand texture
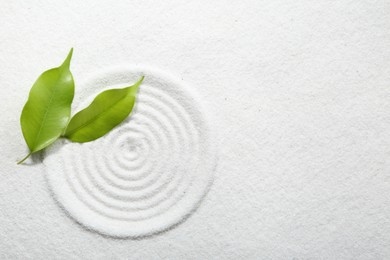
x,y
261,131
150,172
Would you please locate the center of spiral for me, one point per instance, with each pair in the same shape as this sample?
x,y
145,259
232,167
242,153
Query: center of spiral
x,y
130,149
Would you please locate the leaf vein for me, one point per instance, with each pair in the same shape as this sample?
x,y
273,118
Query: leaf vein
x,y
94,118
46,112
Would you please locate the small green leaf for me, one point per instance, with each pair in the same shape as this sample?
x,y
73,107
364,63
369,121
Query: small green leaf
x,y
106,111
47,111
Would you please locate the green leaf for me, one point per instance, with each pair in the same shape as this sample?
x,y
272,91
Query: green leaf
x,y
47,111
106,111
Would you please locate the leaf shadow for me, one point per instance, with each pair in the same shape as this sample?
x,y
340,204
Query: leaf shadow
x,y
34,159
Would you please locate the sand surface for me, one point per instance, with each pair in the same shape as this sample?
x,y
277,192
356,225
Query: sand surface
x,y
148,174
292,97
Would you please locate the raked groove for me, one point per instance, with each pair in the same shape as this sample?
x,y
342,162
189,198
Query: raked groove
x,y
147,174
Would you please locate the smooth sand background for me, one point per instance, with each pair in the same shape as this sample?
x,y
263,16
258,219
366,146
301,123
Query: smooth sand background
x,y
299,91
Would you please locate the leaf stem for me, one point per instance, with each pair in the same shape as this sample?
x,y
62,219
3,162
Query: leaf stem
x,y
25,158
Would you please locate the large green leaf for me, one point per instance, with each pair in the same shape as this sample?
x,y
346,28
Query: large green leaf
x,y
106,111
47,111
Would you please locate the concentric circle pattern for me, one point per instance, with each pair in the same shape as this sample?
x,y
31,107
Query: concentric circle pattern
x,y
147,174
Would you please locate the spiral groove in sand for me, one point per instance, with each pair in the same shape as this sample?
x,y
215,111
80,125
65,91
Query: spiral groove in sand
x,y
147,174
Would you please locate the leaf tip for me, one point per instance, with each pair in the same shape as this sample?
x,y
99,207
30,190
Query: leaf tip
x,y
134,88
68,58
139,82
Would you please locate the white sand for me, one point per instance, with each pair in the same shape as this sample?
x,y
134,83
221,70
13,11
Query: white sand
x,y
298,92
150,172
